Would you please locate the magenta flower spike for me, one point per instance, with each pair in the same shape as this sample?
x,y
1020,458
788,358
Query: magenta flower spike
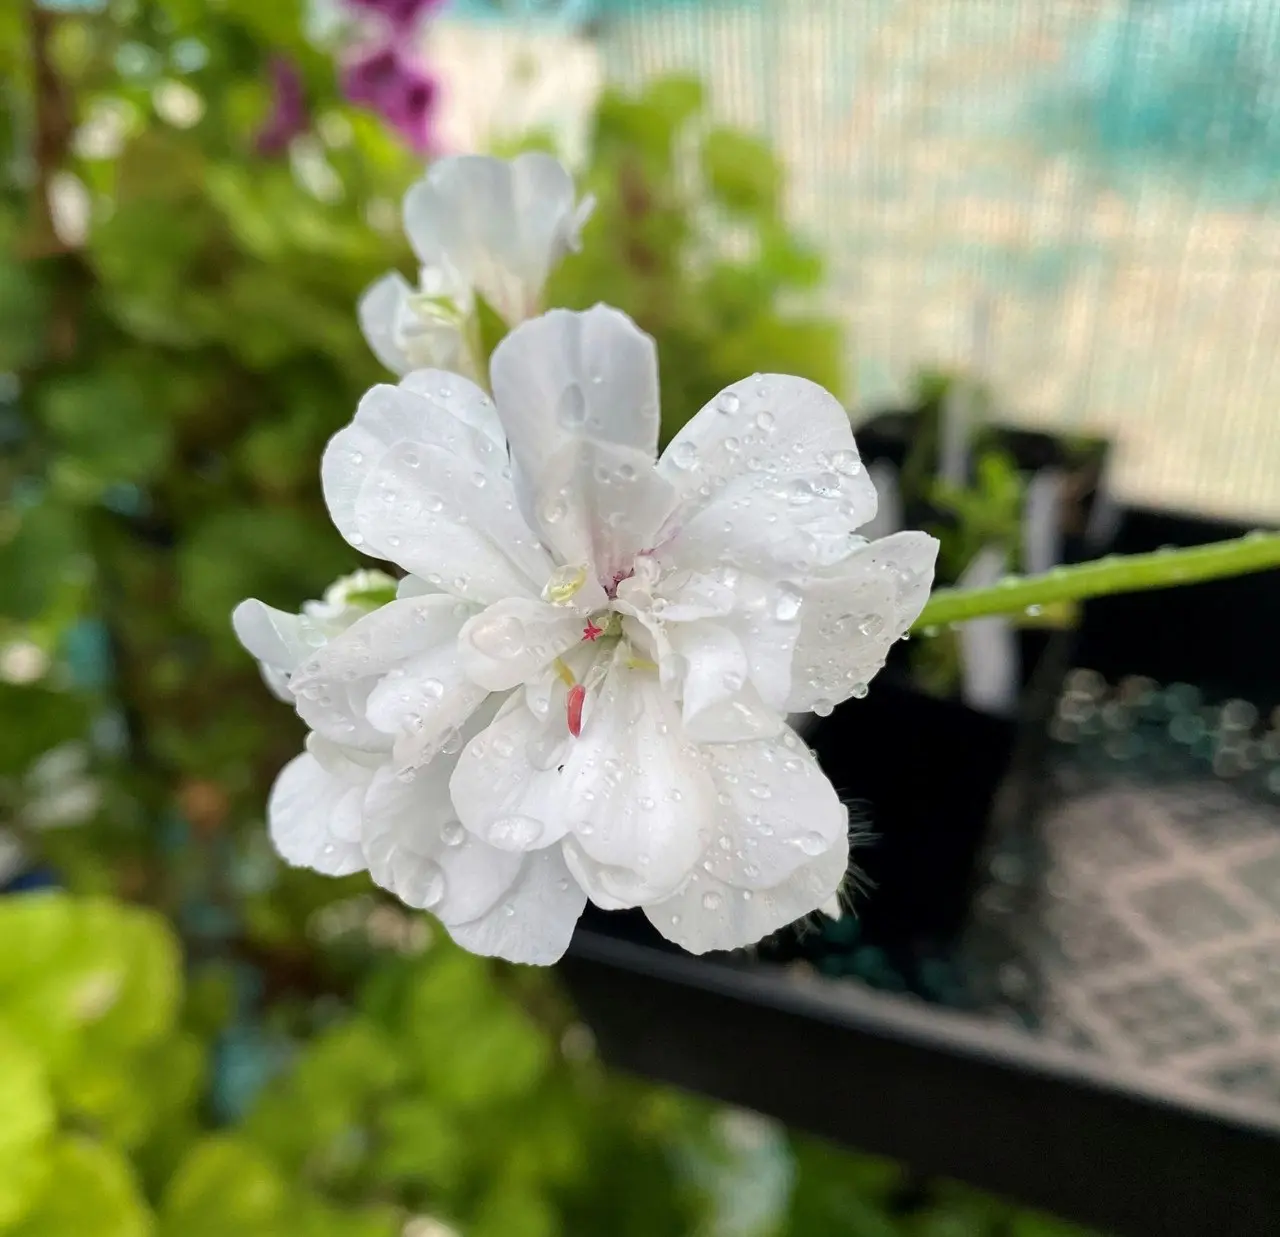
x,y
289,115
402,92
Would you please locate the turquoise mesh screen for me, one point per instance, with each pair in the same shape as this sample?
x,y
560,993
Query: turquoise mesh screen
x,y
1079,198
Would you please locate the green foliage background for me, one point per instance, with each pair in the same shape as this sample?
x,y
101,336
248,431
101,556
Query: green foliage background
x,y
195,1041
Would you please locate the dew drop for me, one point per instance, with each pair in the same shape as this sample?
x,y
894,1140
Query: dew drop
x,y
846,462
724,842
812,843
503,747
433,689
425,887
357,457
499,636
787,602
859,691
760,791
514,832
452,833
871,625
451,742
712,901
823,708
800,492
646,804
684,455
478,479
733,445
766,421
572,409
433,503
357,539
728,403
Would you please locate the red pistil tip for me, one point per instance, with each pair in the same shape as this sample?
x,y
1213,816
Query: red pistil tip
x,y
577,697
591,631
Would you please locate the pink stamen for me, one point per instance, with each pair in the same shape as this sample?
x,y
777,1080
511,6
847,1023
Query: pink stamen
x,y
577,697
591,631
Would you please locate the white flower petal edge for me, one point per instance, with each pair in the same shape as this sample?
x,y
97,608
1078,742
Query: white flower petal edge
x,y
580,692
478,225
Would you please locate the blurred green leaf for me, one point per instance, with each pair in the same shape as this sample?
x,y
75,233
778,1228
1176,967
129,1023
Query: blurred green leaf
x,y
90,1192
39,547
27,1123
741,172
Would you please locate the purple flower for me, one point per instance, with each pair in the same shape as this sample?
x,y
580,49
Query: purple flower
x,y
402,92
289,116
400,15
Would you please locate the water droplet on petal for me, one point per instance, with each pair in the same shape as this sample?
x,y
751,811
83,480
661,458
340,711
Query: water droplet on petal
x,y
514,832
846,462
357,457
357,539
812,843
433,502
766,421
499,636
859,691
728,403
760,791
733,445
423,887
800,492
572,409
787,603
823,708
503,746
452,833
712,901
684,455
871,625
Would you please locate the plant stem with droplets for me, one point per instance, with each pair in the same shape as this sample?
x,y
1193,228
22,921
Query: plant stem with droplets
x,y
1257,551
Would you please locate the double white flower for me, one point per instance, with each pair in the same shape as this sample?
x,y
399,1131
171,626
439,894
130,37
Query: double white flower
x,y
479,226
580,689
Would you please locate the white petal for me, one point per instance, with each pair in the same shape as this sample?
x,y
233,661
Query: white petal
x,y
768,478
501,225
432,409
600,504
344,693
417,849
458,398
510,782
276,638
451,522
534,922
709,914
720,703
629,787
379,310
308,814
512,640
776,811
854,612
567,377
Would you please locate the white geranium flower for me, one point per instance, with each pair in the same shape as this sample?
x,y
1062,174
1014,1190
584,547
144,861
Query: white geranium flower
x,y
478,225
582,692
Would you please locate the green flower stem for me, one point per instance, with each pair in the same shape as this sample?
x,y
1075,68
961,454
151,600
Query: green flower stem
x,y
1257,551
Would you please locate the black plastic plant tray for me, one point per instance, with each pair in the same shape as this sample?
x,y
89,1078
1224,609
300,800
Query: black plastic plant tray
x,y
1150,1129
950,1094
